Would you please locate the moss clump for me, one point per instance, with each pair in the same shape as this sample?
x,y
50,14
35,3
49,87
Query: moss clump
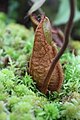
x,y
19,97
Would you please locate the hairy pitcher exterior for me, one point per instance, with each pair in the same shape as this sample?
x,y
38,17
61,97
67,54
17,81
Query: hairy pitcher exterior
x,y
44,50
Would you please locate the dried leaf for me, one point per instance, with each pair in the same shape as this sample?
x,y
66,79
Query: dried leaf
x,y
36,6
44,50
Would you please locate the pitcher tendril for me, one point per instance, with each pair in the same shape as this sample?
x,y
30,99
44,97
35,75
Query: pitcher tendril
x,y
66,40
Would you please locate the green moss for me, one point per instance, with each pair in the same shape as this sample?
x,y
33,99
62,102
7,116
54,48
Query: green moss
x,y
19,97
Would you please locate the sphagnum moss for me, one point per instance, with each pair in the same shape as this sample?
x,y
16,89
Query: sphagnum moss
x,y
19,97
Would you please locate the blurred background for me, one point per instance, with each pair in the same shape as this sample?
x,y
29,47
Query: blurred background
x,y
56,10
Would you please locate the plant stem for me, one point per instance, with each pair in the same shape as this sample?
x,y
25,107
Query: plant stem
x,y
66,40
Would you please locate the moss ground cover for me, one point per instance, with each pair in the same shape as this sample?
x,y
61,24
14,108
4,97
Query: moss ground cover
x,y
19,97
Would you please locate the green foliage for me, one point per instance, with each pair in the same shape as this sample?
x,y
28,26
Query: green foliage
x,y
51,111
72,74
78,3
2,22
75,45
16,41
64,11
3,111
13,7
71,110
3,17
